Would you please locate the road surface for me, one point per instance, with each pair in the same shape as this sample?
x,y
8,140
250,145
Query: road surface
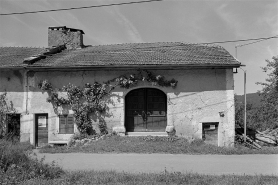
x,y
157,163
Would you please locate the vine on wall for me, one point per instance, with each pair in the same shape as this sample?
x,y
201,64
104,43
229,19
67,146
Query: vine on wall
x,y
5,108
90,100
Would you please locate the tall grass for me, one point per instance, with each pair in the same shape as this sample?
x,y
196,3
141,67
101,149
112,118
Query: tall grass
x,y
16,164
112,177
150,144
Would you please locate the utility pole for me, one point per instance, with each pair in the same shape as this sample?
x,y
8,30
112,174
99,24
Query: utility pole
x,y
244,105
245,79
244,97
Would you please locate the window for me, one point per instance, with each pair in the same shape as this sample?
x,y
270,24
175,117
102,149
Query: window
x,y
11,126
66,124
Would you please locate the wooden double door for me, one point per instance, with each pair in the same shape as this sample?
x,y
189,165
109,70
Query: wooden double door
x,y
145,110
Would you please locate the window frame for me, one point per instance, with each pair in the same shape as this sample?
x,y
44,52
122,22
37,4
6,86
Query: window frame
x,y
67,128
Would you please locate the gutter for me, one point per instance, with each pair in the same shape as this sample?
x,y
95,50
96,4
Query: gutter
x,y
155,67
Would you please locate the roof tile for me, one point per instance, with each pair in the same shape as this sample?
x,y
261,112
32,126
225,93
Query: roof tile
x,y
133,54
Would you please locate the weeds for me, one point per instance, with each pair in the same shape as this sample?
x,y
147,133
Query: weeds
x,y
112,177
151,144
17,166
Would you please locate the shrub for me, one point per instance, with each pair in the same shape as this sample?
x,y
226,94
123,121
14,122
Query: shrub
x,y
16,164
102,127
79,136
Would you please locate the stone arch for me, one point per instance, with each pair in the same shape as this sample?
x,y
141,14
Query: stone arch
x,y
145,110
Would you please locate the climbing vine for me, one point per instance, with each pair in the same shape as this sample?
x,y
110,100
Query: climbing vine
x,y
5,108
91,98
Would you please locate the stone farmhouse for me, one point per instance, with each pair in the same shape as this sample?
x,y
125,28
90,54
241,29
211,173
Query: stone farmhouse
x,y
198,103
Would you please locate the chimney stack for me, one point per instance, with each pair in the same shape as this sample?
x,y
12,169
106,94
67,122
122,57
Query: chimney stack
x,y
61,35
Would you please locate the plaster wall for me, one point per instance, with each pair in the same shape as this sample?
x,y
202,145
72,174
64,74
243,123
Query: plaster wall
x,y
200,96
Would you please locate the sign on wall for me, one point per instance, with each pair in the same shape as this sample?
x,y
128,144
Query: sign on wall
x,y
42,121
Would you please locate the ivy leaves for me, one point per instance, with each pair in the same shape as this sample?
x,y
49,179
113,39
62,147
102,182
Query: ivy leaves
x,y
143,75
91,98
45,85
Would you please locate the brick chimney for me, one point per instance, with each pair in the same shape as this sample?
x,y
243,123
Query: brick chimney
x,y
61,35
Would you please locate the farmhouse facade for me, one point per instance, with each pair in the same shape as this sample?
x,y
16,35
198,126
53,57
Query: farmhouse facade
x,y
199,105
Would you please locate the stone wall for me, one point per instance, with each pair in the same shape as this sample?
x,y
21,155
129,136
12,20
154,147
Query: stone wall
x,y
200,96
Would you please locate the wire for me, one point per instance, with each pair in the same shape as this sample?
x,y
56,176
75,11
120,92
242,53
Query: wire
x,y
242,40
260,40
256,41
94,6
181,44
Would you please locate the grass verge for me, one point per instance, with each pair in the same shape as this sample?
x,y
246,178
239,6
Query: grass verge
x,y
112,177
150,144
16,165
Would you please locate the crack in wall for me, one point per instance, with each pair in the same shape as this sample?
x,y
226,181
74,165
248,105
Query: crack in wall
x,y
200,96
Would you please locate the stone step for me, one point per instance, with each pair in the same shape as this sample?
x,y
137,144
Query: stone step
x,y
147,134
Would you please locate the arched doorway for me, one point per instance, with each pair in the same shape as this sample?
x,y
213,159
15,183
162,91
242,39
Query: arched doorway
x,y
145,110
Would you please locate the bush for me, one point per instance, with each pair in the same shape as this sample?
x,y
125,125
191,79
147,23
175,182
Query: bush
x,y
102,127
79,136
17,166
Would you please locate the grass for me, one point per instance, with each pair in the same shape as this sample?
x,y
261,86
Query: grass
x,y
150,144
16,165
112,177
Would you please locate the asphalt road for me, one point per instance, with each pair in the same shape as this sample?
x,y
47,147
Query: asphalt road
x,y
157,163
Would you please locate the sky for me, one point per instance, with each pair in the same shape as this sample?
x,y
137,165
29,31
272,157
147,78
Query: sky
x,y
192,21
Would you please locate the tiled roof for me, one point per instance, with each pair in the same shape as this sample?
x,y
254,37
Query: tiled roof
x,y
13,56
133,54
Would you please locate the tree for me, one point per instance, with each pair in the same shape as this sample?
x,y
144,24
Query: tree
x,y
268,112
250,116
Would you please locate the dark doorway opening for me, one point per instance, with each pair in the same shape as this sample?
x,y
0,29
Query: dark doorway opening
x,y
145,110
41,130
13,127
210,133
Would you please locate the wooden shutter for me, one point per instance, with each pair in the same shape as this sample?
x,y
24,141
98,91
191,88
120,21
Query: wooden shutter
x,y
62,124
70,124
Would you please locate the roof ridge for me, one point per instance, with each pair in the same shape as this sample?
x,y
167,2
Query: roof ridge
x,y
136,43
118,44
149,43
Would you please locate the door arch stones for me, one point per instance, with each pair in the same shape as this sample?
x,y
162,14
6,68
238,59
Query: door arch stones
x,y
146,110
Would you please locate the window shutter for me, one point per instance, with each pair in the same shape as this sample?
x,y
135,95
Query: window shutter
x,y
62,124
70,124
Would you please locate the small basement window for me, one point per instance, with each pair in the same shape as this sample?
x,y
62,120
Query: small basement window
x,y
66,124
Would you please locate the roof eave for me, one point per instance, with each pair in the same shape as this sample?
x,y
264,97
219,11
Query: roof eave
x,y
123,67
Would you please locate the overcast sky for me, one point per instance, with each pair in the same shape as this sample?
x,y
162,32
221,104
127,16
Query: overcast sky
x,y
191,21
